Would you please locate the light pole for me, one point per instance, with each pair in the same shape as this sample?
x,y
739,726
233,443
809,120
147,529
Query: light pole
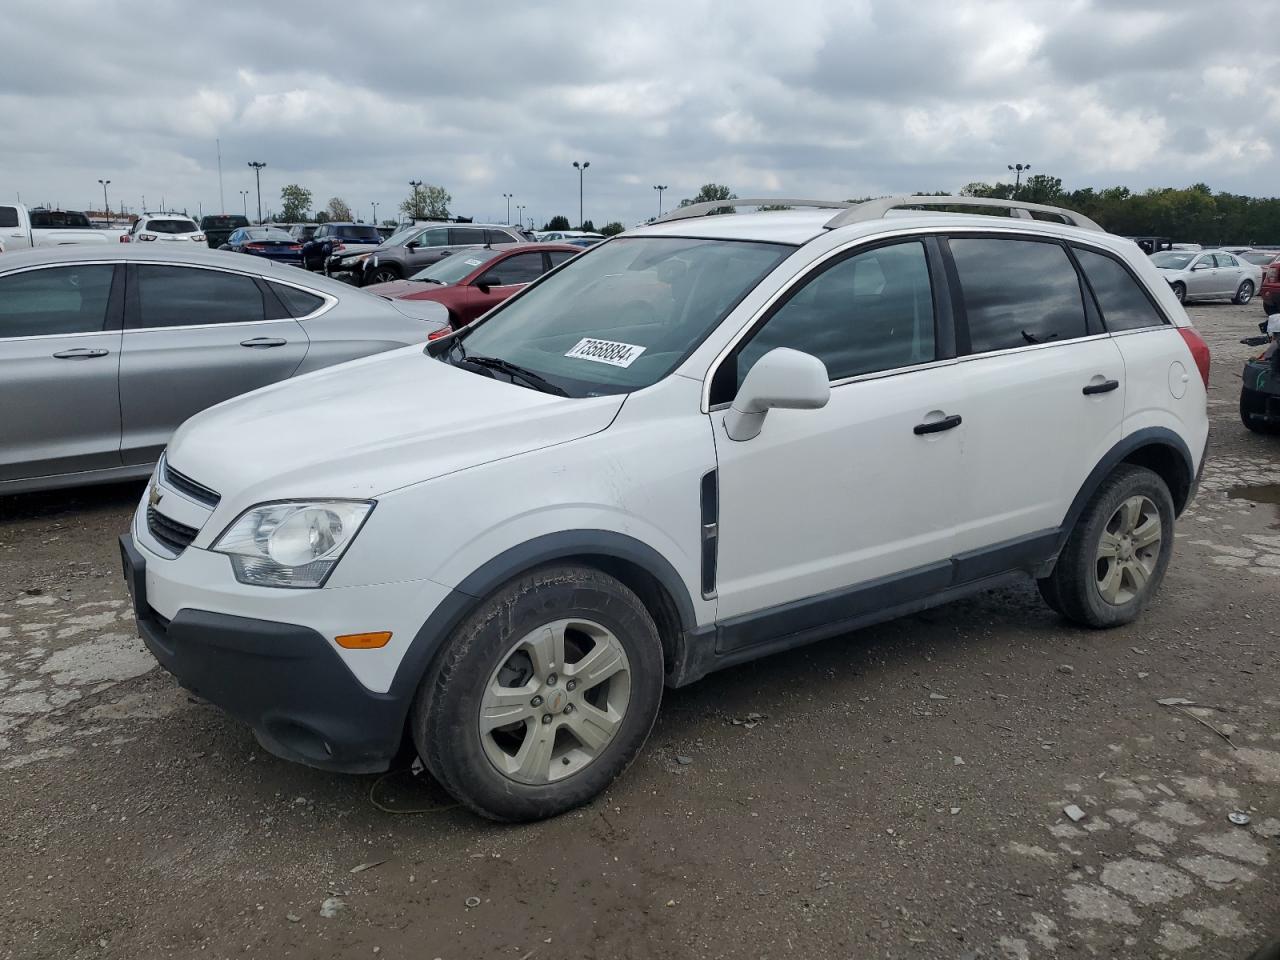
x,y
257,176
106,207
375,212
415,184
508,197
1017,182
581,168
244,202
659,188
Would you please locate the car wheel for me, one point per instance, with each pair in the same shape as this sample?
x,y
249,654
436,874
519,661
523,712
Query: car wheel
x,y
542,696
1252,404
1180,291
381,275
1117,552
1244,294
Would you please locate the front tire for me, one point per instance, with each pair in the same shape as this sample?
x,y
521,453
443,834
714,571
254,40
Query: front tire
x,y
1118,551
1180,291
542,696
1244,294
379,275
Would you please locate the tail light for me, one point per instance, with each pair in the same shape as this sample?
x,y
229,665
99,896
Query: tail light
x,y
295,246
124,238
255,246
440,334
1199,351
1273,273
146,236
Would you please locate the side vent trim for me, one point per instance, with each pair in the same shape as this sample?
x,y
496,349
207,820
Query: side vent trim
x,y
710,532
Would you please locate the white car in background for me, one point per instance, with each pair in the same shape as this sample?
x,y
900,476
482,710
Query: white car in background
x,y
152,227
1208,275
22,229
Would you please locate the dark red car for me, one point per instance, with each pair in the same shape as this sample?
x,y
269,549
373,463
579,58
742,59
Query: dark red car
x,y
471,282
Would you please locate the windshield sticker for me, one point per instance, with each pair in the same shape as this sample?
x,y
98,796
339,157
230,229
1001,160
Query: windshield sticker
x,y
605,351
473,263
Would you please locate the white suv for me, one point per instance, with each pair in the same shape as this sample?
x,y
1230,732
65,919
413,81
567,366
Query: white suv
x,y
164,226
703,441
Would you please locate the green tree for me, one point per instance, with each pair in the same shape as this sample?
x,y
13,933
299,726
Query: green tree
x,y
427,202
612,229
588,226
557,223
338,209
296,201
709,192
1041,188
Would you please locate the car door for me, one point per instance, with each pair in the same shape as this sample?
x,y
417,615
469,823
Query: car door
x,y
1044,393
501,281
195,336
59,367
850,507
428,247
1202,278
1229,274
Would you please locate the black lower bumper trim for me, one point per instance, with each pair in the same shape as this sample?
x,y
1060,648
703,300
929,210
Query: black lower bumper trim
x,y
285,681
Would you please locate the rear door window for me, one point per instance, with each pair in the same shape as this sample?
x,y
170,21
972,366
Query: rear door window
x,y
438,237
560,256
1017,293
55,300
188,296
466,235
1123,302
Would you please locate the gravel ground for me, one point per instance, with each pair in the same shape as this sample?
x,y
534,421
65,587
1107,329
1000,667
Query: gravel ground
x,y
900,793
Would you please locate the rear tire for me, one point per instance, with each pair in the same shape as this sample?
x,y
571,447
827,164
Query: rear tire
x,y
1180,291
1118,551
1244,294
585,656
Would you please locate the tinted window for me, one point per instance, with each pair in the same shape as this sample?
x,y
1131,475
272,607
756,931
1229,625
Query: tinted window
x,y
360,234
467,235
499,236
55,300
560,256
8,216
59,220
522,268
223,223
1017,292
299,303
1124,305
172,226
439,237
184,296
867,313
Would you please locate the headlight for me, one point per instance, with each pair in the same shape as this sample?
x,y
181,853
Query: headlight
x,y
293,544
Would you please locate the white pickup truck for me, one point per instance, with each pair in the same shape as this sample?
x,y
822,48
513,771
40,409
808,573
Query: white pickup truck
x,y
21,228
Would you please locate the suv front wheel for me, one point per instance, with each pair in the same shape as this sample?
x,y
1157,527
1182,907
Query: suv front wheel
x,y
542,696
1117,553
380,274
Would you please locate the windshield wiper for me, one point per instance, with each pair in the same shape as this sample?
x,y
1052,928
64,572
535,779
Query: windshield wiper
x,y
427,280
515,371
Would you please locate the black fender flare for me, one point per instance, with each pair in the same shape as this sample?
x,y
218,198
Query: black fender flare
x,y
462,599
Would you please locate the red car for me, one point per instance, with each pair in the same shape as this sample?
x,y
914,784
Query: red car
x,y
1270,278
471,282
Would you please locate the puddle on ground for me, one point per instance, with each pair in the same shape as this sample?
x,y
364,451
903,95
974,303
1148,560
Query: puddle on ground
x,y
1268,493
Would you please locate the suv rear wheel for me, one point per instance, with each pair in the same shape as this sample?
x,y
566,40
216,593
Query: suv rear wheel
x,y
1117,553
543,695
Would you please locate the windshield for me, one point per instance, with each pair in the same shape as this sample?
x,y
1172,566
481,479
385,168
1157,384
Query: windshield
x,y
268,233
172,226
401,236
453,268
622,315
1258,257
1171,259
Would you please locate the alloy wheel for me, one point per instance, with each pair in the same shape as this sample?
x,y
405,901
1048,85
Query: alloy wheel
x,y
1128,550
555,702
1245,293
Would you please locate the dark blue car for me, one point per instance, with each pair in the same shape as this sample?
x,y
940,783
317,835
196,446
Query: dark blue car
x,y
269,242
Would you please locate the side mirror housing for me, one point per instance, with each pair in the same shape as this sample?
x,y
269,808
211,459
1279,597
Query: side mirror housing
x,y
783,378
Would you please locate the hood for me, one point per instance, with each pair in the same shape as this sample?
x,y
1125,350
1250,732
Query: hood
x,y
370,426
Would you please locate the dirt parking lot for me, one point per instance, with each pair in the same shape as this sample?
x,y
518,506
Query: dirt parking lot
x,y
895,793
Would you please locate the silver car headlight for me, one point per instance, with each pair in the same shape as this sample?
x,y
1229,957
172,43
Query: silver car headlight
x,y
292,544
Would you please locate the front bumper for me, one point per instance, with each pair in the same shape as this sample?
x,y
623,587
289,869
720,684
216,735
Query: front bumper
x,y
287,681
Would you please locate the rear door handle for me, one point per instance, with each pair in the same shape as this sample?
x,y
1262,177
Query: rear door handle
x,y
259,342
937,426
1106,386
81,353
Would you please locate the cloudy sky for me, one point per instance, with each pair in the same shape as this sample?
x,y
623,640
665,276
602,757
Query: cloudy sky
x,y
821,98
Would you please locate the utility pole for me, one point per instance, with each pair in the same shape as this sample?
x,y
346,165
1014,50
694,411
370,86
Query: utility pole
x,y
257,176
1017,183
581,168
659,189
222,201
106,207
415,184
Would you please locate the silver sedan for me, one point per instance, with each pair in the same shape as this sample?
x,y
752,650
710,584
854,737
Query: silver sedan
x,y
103,353
1208,275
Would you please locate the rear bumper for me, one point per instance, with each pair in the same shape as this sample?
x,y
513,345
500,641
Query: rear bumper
x,y
285,681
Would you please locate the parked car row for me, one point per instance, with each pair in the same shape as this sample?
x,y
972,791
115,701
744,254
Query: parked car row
x,y
418,246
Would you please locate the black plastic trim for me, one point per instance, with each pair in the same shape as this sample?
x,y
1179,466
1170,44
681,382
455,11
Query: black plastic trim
x,y
710,503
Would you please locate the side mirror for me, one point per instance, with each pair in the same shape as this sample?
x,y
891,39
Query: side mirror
x,y
485,282
1200,266
782,378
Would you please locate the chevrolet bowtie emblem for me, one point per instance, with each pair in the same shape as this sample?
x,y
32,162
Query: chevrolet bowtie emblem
x,y
155,496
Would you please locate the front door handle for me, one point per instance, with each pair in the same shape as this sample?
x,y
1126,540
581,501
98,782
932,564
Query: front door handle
x,y
1106,386
81,353
260,342
937,426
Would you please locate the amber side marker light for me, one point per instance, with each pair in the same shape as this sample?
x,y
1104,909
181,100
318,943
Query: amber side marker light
x,y
364,641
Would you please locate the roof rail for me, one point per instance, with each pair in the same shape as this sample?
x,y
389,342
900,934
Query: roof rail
x,y
701,209
876,209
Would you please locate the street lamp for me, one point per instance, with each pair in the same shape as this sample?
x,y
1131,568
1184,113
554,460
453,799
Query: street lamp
x,y
581,168
1017,182
375,212
244,202
659,188
106,207
508,197
415,184
257,176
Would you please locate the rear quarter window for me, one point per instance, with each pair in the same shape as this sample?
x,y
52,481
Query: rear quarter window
x,y
1121,299
299,303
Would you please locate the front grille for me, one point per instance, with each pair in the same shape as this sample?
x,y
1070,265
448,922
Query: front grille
x,y
174,535
184,484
